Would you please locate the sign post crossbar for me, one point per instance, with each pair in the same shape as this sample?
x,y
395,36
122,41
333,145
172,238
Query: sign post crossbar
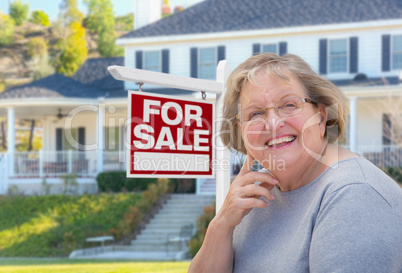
x,y
191,84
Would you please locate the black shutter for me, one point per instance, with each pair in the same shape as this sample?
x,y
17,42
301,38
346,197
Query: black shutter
x,y
386,52
81,137
81,143
354,55
221,53
59,143
283,48
138,59
59,139
323,56
256,49
386,129
193,62
165,60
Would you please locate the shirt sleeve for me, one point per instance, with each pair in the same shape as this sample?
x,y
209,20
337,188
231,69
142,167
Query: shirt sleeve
x,y
356,230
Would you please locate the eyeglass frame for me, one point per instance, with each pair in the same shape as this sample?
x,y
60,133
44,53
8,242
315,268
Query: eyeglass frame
x,y
303,100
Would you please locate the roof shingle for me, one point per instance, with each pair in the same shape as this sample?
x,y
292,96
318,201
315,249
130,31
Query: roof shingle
x,y
236,15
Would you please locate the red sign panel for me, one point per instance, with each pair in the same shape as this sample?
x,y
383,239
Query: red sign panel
x,y
169,137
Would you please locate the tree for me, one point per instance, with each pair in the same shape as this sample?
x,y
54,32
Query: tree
x,y
6,29
102,22
72,46
69,12
40,66
39,17
74,50
19,12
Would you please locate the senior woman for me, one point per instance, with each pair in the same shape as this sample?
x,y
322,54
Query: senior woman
x,y
316,207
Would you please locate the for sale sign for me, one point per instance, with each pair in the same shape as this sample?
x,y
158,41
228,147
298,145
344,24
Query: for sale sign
x,y
169,137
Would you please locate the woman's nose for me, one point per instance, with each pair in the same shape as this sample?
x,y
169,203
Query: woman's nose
x,y
272,120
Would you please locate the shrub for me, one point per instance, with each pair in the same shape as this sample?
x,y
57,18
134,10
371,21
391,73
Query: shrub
x,y
117,181
6,30
70,183
19,12
40,67
37,47
39,17
135,214
395,173
203,221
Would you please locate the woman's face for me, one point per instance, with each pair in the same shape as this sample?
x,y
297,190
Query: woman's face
x,y
280,142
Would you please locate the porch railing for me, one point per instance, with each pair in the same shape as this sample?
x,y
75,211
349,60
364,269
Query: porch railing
x,y
383,156
56,163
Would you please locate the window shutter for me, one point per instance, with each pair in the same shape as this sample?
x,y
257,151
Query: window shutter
x,y
283,48
81,137
165,60
354,55
386,53
193,62
138,59
221,53
59,139
386,129
256,49
323,56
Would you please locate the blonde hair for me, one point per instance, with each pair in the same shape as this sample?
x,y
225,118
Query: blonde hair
x,y
318,89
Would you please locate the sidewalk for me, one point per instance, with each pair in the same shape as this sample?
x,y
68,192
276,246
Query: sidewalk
x,y
111,253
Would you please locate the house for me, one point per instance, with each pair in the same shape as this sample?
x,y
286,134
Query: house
x,y
357,45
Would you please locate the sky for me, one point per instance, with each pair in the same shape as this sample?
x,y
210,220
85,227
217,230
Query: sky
x,y
51,7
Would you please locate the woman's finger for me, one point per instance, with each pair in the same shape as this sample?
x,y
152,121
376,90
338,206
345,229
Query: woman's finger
x,y
253,190
248,164
252,177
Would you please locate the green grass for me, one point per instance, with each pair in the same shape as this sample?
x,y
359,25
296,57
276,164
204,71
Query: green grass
x,y
89,266
53,226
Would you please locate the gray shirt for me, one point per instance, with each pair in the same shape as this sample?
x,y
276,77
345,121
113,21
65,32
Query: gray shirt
x,y
349,219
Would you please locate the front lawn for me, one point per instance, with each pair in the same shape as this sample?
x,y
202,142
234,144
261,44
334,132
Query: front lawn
x,y
89,266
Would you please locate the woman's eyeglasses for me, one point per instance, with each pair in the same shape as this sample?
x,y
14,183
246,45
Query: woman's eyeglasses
x,y
285,108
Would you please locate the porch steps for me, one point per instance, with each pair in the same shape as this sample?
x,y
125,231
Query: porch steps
x,y
208,186
180,209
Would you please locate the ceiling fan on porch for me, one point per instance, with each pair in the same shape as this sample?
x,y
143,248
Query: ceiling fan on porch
x,y
60,115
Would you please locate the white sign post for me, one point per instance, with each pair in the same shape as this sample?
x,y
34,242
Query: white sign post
x,y
191,84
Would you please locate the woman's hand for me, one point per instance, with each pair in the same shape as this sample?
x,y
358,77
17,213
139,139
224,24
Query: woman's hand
x,y
244,194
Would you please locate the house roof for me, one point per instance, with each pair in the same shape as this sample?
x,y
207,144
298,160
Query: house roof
x,y
53,86
94,73
361,80
237,15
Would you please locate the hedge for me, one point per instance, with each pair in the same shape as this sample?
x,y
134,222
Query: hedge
x,y
394,172
117,182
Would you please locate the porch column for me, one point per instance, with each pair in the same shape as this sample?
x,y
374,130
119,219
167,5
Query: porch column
x,y
353,124
100,136
11,138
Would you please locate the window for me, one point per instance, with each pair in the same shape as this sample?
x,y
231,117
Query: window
x,y
152,61
114,139
207,63
66,142
338,56
269,48
397,52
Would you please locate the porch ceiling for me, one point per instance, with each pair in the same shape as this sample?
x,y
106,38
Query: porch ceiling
x,y
41,108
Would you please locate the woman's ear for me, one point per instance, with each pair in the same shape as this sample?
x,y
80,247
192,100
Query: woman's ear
x,y
323,119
